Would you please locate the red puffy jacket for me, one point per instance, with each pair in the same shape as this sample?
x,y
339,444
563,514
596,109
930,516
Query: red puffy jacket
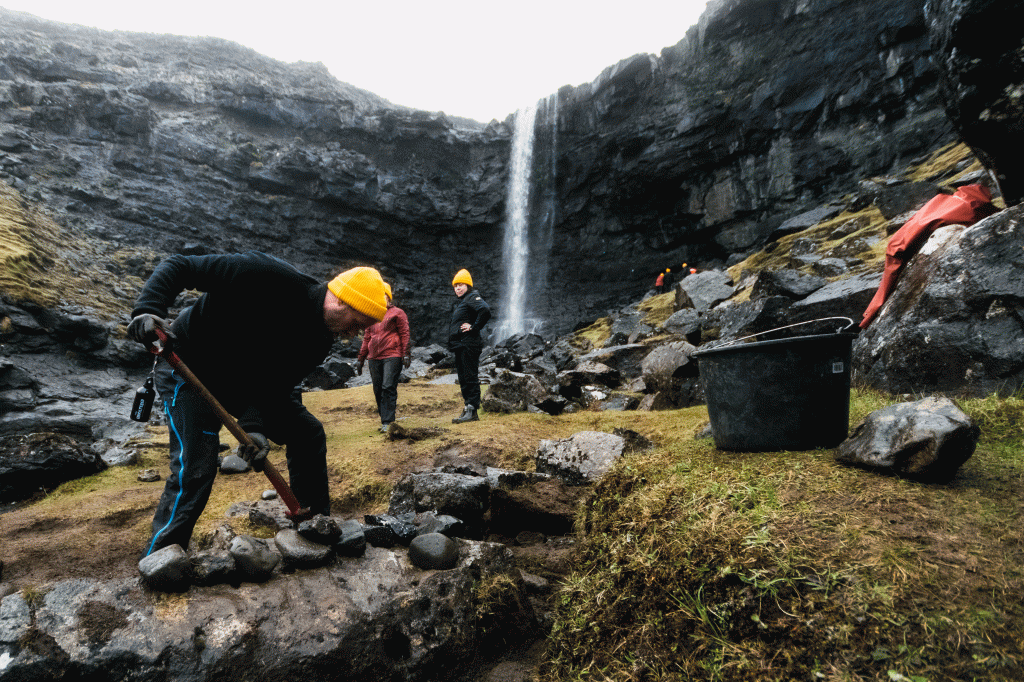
x,y
966,206
389,338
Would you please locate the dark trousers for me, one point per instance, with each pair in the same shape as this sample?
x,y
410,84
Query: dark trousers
x,y
467,365
195,444
384,375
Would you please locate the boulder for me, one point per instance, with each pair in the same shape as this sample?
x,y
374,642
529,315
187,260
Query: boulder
x,y
167,570
371,617
513,392
254,559
978,53
842,298
352,541
927,439
670,370
952,324
572,381
39,462
580,459
213,567
299,552
786,282
624,359
464,497
434,552
704,290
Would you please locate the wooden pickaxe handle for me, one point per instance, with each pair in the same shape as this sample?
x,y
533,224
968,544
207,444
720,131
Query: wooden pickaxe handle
x,y
295,512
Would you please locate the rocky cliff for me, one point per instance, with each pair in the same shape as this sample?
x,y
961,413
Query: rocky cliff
x,y
198,144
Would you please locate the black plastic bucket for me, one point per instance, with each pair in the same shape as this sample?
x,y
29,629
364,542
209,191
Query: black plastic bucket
x,y
785,394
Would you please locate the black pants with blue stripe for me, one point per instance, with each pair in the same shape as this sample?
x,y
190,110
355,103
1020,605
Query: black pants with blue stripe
x,y
195,444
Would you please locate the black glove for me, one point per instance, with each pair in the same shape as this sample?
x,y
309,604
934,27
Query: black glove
x,y
359,368
256,455
406,361
143,329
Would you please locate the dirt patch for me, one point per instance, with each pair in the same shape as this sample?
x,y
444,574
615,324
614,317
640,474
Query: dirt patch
x,y
44,544
99,621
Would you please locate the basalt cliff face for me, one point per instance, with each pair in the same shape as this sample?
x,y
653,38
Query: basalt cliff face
x,y
763,110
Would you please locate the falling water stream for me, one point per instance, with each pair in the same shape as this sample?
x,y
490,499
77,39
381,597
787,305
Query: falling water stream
x,y
516,249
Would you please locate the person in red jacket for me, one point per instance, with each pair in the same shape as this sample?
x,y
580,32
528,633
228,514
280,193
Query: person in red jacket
x,y
659,284
386,345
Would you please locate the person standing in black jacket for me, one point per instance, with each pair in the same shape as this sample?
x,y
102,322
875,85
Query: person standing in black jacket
x,y
469,316
260,327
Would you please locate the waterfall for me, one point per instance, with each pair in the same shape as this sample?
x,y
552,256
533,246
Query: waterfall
x,y
516,249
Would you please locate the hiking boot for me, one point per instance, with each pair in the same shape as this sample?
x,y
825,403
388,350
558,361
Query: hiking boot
x,y
468,415
384,428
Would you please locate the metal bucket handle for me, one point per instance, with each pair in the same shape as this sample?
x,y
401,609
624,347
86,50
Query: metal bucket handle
x,y
795,324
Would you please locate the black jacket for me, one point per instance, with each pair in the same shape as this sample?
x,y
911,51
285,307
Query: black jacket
x,y
472,308
256,332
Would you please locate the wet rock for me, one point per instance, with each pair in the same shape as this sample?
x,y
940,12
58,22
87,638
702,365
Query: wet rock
x,y
572,382
685,322
167,570
671,371
379,535
321,529
704,290
213,567
264,513
299,552
461,496
580,459
254,559
434,551
429,522
233,464
928,439
553,405
624,359
353,611
952,324
352,541
39,462
844,298
513,392
402,526
785,282
978,54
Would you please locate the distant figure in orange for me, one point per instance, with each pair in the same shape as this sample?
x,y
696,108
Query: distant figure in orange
x,y
659,284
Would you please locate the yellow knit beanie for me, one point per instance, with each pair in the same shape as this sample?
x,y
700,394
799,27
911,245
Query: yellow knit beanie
x,y
462,277
387,290
361,289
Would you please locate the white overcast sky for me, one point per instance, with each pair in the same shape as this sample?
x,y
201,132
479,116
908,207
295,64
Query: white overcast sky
x,y
481,59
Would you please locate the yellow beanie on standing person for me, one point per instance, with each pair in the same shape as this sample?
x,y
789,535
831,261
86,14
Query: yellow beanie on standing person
x,y
462,277
361,289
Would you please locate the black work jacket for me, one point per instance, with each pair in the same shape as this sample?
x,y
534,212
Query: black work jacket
x,y
472,308
256,332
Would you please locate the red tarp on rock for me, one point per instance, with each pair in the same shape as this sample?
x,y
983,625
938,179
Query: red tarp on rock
x,y
966,206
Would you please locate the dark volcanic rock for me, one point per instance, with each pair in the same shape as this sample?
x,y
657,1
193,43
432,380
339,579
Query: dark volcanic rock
x,y
42,461
201,145
953,323
981,61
